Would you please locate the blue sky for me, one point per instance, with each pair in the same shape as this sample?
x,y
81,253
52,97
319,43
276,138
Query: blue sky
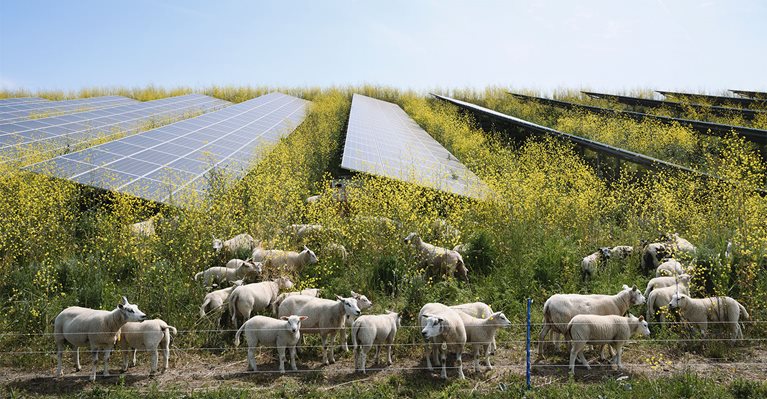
x,y
607,45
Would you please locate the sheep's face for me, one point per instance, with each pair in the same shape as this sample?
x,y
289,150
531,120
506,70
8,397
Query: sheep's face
x,y
350,306
131,312
644,329
253,267
284,283
362,301
636,297
684,278
433,326
410,237
500,319
217,244
605,251
312,256
293,322
676,300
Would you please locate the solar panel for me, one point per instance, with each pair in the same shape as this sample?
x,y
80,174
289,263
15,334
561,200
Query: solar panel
x,y
173,163
20,100
382,140
49,135
39,110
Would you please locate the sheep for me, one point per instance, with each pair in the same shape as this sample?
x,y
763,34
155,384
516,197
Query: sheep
x,y
284,261
232,247
215,300
146,335
364,303
315,292
225,274
301,231
559,309
621,251
591,263
479,310
442,229
652,253
256,297
326,318
369,330
700,311
145,228
613,330
281,333
660,297
95,328
337,249
680,245
314,199
666,281
437,259
480,333
670,267
443,330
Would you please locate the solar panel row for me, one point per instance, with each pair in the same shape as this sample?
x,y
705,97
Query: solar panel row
x,y
173,163
382,140
49,135
39,110
20,100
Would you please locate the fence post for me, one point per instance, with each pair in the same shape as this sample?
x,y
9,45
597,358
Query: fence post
x,y
527,374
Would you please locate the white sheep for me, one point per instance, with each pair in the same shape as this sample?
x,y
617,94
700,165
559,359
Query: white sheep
x,y
480,334
369,330
326,318
444,331
699,311
147,336
215,300
219,274
95,328
145,228
660,297
279,261
337,249
301,231
591,263
439,260
249,298
479,310
666,281
314,199
232,247
363,303
315,292
613,330
282,333
652,254
670,267
681,245
559,309
621,251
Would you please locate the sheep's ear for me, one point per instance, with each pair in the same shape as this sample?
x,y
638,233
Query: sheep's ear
x,y
284,318
426,315
125,301
641,318
339,297
496,314
634,288
355,295
302,318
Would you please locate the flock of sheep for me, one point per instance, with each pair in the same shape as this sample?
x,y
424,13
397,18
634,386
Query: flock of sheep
x,y
582,319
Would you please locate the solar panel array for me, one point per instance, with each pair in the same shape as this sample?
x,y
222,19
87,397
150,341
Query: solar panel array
x,y
173,163
382,140
20,100
56,134
39,110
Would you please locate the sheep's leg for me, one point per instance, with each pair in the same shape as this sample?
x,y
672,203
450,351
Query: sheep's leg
x,y
487,356
389,345
324,337
435,354
293,358
573,356
344,338
153,370
364,358
443,358
59,354
619,352
107,353
459,364
544,331
429,353
378,352
166,352
493,346
333,345
281,352
126,360
95,360
251,359
78,367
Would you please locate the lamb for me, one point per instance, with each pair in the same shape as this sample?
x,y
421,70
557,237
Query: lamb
x,y
215,300
666,281
680,245
480,333
227,275
660,297
621,251
284,261
439,260
301,231
326,318
670,267
145,228
95,328
444,331
281,333
235,245
652,255
369,330
249,298
613,330
700,311
364,303
315,292
479,310
146,335
314,199
591,263
337,249
559,309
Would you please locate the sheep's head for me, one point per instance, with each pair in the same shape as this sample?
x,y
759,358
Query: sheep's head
x,y
433,326
217,244
411,237
636,297
237,283
500,319
283,283
397,317
350,306
605,251
642,326
462,272
131,312
312,256
294,322
683,278
362,301
677,300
